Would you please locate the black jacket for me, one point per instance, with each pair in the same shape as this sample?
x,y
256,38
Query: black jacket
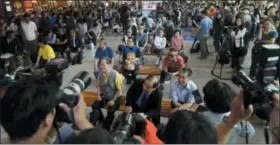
x,y
14,47
78,42
153,105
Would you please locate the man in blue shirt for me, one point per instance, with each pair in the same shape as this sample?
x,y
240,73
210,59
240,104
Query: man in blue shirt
x,y
184,91
130,47
102,51
203,33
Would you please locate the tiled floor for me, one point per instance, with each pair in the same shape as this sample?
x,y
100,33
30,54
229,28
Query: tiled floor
x,y
201,69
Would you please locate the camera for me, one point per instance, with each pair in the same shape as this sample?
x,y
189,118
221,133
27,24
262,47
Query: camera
x,y
257,94
125,127
68,95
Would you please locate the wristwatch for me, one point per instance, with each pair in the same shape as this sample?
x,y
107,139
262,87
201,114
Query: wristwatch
x,y
225,121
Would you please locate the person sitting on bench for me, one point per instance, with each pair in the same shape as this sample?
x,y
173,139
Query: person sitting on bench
x,y
171,66
160,44
75,45
131,48
183,91
124,40
177,42
45,54
142,38
102,51
109,89
143,96
130,67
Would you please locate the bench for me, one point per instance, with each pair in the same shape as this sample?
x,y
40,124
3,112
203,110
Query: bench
x,y
166,52
143,70
90,97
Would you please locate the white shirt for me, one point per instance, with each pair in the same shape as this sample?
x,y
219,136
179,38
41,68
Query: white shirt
x,y
240,37
29,30
150,22
160,42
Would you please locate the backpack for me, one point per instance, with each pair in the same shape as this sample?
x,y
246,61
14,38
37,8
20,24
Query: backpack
x,y
196,48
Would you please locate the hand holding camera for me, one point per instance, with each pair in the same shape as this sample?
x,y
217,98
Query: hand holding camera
x,y
238,111
79,114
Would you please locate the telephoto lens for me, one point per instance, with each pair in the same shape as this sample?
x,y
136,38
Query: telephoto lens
x,y
69,94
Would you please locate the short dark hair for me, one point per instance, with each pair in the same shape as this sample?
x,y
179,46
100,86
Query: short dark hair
x,y
218,96
185,127
204,12
25,105
187,71
154,79
107,59
130,38
9,32
42,39
26,15
92,136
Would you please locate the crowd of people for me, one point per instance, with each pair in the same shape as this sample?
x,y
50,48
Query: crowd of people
x,y
28,108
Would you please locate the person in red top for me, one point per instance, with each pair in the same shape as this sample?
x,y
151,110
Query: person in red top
x,y
171,65
177,43
150,136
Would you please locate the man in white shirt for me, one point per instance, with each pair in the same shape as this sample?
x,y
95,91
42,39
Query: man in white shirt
x,y
160,44
150,22
29,30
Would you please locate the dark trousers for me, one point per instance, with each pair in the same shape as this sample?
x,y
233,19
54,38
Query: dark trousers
x,y
77,58
96,114
159,53
255,60
129,75
60,48
217,42
32,49
164,76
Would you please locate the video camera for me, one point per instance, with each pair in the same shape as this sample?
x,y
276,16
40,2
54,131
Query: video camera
x,y
260,96
124,128
259,93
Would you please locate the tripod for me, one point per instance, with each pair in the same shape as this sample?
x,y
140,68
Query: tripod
x,y
223,57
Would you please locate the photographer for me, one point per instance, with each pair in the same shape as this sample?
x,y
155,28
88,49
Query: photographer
x,y
239,113
28,111
238,49
218,97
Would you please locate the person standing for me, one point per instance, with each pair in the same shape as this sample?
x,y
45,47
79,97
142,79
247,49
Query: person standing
x,y
29,29
203,33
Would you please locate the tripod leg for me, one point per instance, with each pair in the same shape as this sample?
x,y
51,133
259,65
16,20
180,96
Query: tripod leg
x,y
221,70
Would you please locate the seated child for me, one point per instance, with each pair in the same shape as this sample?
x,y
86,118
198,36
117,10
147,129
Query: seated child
x,y
130,67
